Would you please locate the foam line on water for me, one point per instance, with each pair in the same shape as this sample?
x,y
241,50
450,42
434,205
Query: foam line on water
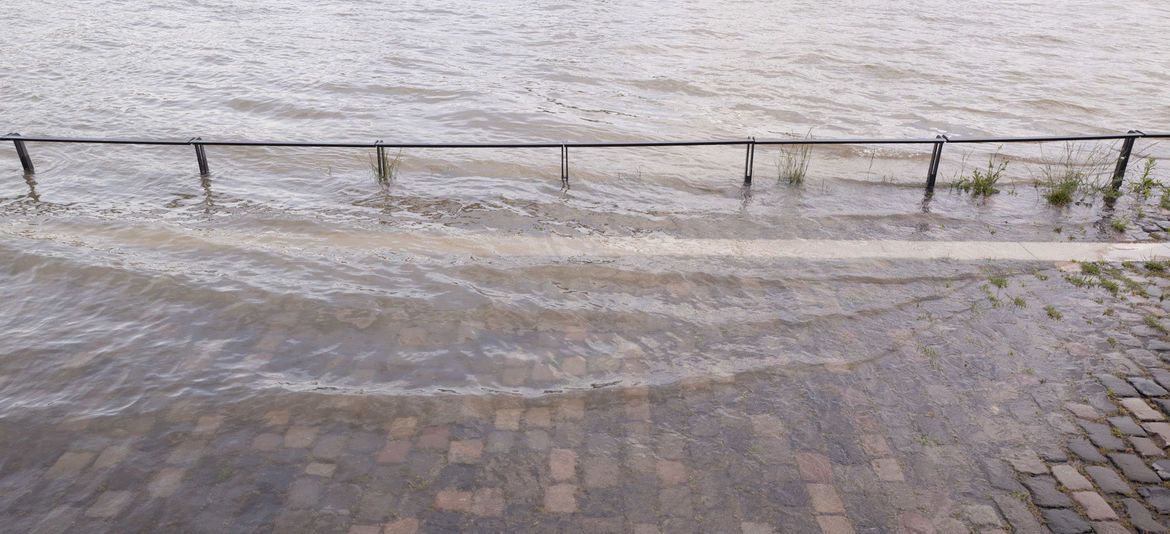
x,y
496,245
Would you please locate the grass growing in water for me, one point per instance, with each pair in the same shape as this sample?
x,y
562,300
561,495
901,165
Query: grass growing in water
x,y
793,162
1146,184
982,182
1075,174
388,172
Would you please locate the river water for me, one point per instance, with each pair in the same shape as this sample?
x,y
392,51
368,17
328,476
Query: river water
x,y
131,281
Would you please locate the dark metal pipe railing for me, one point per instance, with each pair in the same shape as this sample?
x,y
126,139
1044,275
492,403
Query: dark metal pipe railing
x,y
936,143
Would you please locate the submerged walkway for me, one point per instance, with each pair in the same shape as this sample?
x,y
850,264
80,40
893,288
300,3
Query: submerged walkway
x,y
1031,400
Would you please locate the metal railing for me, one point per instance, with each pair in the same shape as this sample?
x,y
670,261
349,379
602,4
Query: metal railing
x,y
937,144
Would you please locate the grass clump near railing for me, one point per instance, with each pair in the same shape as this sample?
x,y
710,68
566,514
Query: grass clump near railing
x,y
982,182
1145,185
793,162
387,172
1075,175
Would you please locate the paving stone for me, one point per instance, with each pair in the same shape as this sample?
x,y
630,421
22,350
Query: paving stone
x,y
1026,461
109,504
745,527
305,492
1065,521
835,524
1142,410
1044,492
981,515
320,469
537,440
434,438
1070,478
508,419
453,500
888,470
1161,376
69,464
950,525
1052,453
1108,480
1109,527
1104,403
913,523
1084,411
825,499
600,472
1141,518
1094,504
1162,404
1085,449
671,473
1127,425
1017,514
267,442
1159,431
560,498
875,445
1162,468
1158,345
1134,468
395,451
111,456
166,482
1156,496
1146,447
401,526
329,447
488,502
1102,436
403,427
1117,386
464,452
1147,387
815,467
299,437
538,417
562,464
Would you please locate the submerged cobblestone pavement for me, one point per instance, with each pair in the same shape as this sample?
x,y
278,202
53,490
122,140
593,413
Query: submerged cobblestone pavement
x,y
1030,402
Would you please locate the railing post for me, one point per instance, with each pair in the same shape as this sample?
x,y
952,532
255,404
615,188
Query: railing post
x,y
935,156
564,165
22,153
200,156
1123,158
749,161
381,153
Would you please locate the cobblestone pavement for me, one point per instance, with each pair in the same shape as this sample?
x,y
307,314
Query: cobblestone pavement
x,y
1033,399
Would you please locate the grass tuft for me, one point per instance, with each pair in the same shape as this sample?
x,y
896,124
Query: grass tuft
x,y
1075,174
388,172
793,162
1145,185
982,182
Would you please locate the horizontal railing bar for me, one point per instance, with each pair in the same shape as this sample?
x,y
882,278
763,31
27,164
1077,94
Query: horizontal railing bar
x,y
94,140
616,144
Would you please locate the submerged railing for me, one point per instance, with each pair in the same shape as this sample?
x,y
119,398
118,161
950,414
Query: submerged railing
x,y
750,143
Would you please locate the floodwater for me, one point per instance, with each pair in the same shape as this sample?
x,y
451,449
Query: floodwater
x,y
131,281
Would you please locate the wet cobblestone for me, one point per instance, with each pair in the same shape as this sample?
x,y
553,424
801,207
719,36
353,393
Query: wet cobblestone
x,y
982,420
